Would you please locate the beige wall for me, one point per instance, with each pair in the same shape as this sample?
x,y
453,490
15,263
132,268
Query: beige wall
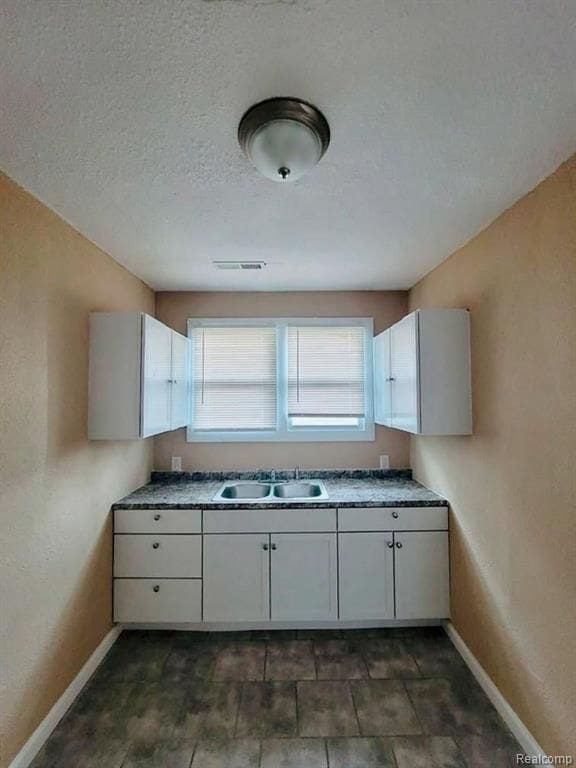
x,y
512,484
385,307
56,488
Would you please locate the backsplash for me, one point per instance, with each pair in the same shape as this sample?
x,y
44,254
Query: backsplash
x,y
160,476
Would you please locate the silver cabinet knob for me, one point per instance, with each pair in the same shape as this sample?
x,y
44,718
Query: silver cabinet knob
x,y
389,544
155,545
156,588
265,547
395,514
157,516
399,544
274,547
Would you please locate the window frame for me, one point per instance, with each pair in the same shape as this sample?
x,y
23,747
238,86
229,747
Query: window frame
x,y
284,433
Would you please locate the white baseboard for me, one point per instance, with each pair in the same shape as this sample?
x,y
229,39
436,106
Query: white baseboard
x,y
41,734
522,734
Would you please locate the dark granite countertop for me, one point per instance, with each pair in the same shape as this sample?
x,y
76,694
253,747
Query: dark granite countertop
x,y
352,488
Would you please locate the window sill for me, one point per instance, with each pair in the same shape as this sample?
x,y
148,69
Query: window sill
x,y
291,436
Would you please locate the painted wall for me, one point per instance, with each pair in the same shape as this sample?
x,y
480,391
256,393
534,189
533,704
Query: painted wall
x,y
55,487
174,309
512,484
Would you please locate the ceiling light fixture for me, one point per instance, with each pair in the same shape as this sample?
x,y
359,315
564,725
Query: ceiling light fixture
x,y
284,138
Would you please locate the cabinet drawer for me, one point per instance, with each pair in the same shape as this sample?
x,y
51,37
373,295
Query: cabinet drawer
x,y
393,519
142,556
157,521
269,520
151,600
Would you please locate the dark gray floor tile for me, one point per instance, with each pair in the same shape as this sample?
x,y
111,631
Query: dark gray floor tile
x,y
427,752
291,660
170,754
136,658
388,659
237,753
78,750
384,708
273,635
331,646
490,751
240,661
319,634
186,665
360,753
152,711
436,656
294,753
449,707
326,709
267,710
209,711
341,666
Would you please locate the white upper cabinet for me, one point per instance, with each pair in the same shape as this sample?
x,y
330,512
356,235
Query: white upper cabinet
x,y
180,375
422,373
139,377
156,376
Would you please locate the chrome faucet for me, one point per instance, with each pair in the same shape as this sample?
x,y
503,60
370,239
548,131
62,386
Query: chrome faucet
x,y
270,472
296,473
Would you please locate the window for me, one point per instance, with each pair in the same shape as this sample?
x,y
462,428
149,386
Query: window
x,y
281,380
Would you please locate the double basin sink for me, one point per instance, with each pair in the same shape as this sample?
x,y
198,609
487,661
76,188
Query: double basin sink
x,y
312,490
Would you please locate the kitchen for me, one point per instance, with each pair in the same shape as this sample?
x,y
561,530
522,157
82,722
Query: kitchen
x,y
287,385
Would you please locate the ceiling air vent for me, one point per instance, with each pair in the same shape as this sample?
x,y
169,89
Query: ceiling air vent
x,y
239,264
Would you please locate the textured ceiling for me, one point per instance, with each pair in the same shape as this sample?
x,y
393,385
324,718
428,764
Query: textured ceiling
x,y
121,115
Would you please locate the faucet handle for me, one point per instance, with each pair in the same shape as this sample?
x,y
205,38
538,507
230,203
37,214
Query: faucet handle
x,y
296,473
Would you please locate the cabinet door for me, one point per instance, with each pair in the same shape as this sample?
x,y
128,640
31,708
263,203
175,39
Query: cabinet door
x,y
303,576
180,381
236,577
156,376
404,374
366,575
422,575
382,383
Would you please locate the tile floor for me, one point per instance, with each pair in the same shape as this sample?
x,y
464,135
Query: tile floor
x,y
287,699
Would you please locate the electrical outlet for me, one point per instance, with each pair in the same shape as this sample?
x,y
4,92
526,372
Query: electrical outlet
x,y
384,462
176,463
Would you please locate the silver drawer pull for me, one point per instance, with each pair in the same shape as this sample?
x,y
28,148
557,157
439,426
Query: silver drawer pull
x,y
157,516
274,547
399,544
265,547
395,514
155,545
156,588
389,544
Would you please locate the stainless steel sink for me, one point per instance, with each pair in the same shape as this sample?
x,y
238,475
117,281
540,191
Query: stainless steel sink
x,y
247,491
253,491
312,490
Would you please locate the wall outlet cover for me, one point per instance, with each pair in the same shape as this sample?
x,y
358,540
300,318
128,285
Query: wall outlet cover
x,y
176,463
384,462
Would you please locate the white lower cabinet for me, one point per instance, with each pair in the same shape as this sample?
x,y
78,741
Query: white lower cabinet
x,y
422,575
304,585
157,600
290,566
366,575
394,575
236,577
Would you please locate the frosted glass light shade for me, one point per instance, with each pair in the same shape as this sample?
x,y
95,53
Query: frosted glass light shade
x,y
284,150
283,138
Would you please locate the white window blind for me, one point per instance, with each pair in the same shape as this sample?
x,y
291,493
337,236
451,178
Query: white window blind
x,y
234,372
326,375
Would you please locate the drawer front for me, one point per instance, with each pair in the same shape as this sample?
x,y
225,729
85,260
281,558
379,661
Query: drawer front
x,y
269,520
142,556
157,600
157,521
393,519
